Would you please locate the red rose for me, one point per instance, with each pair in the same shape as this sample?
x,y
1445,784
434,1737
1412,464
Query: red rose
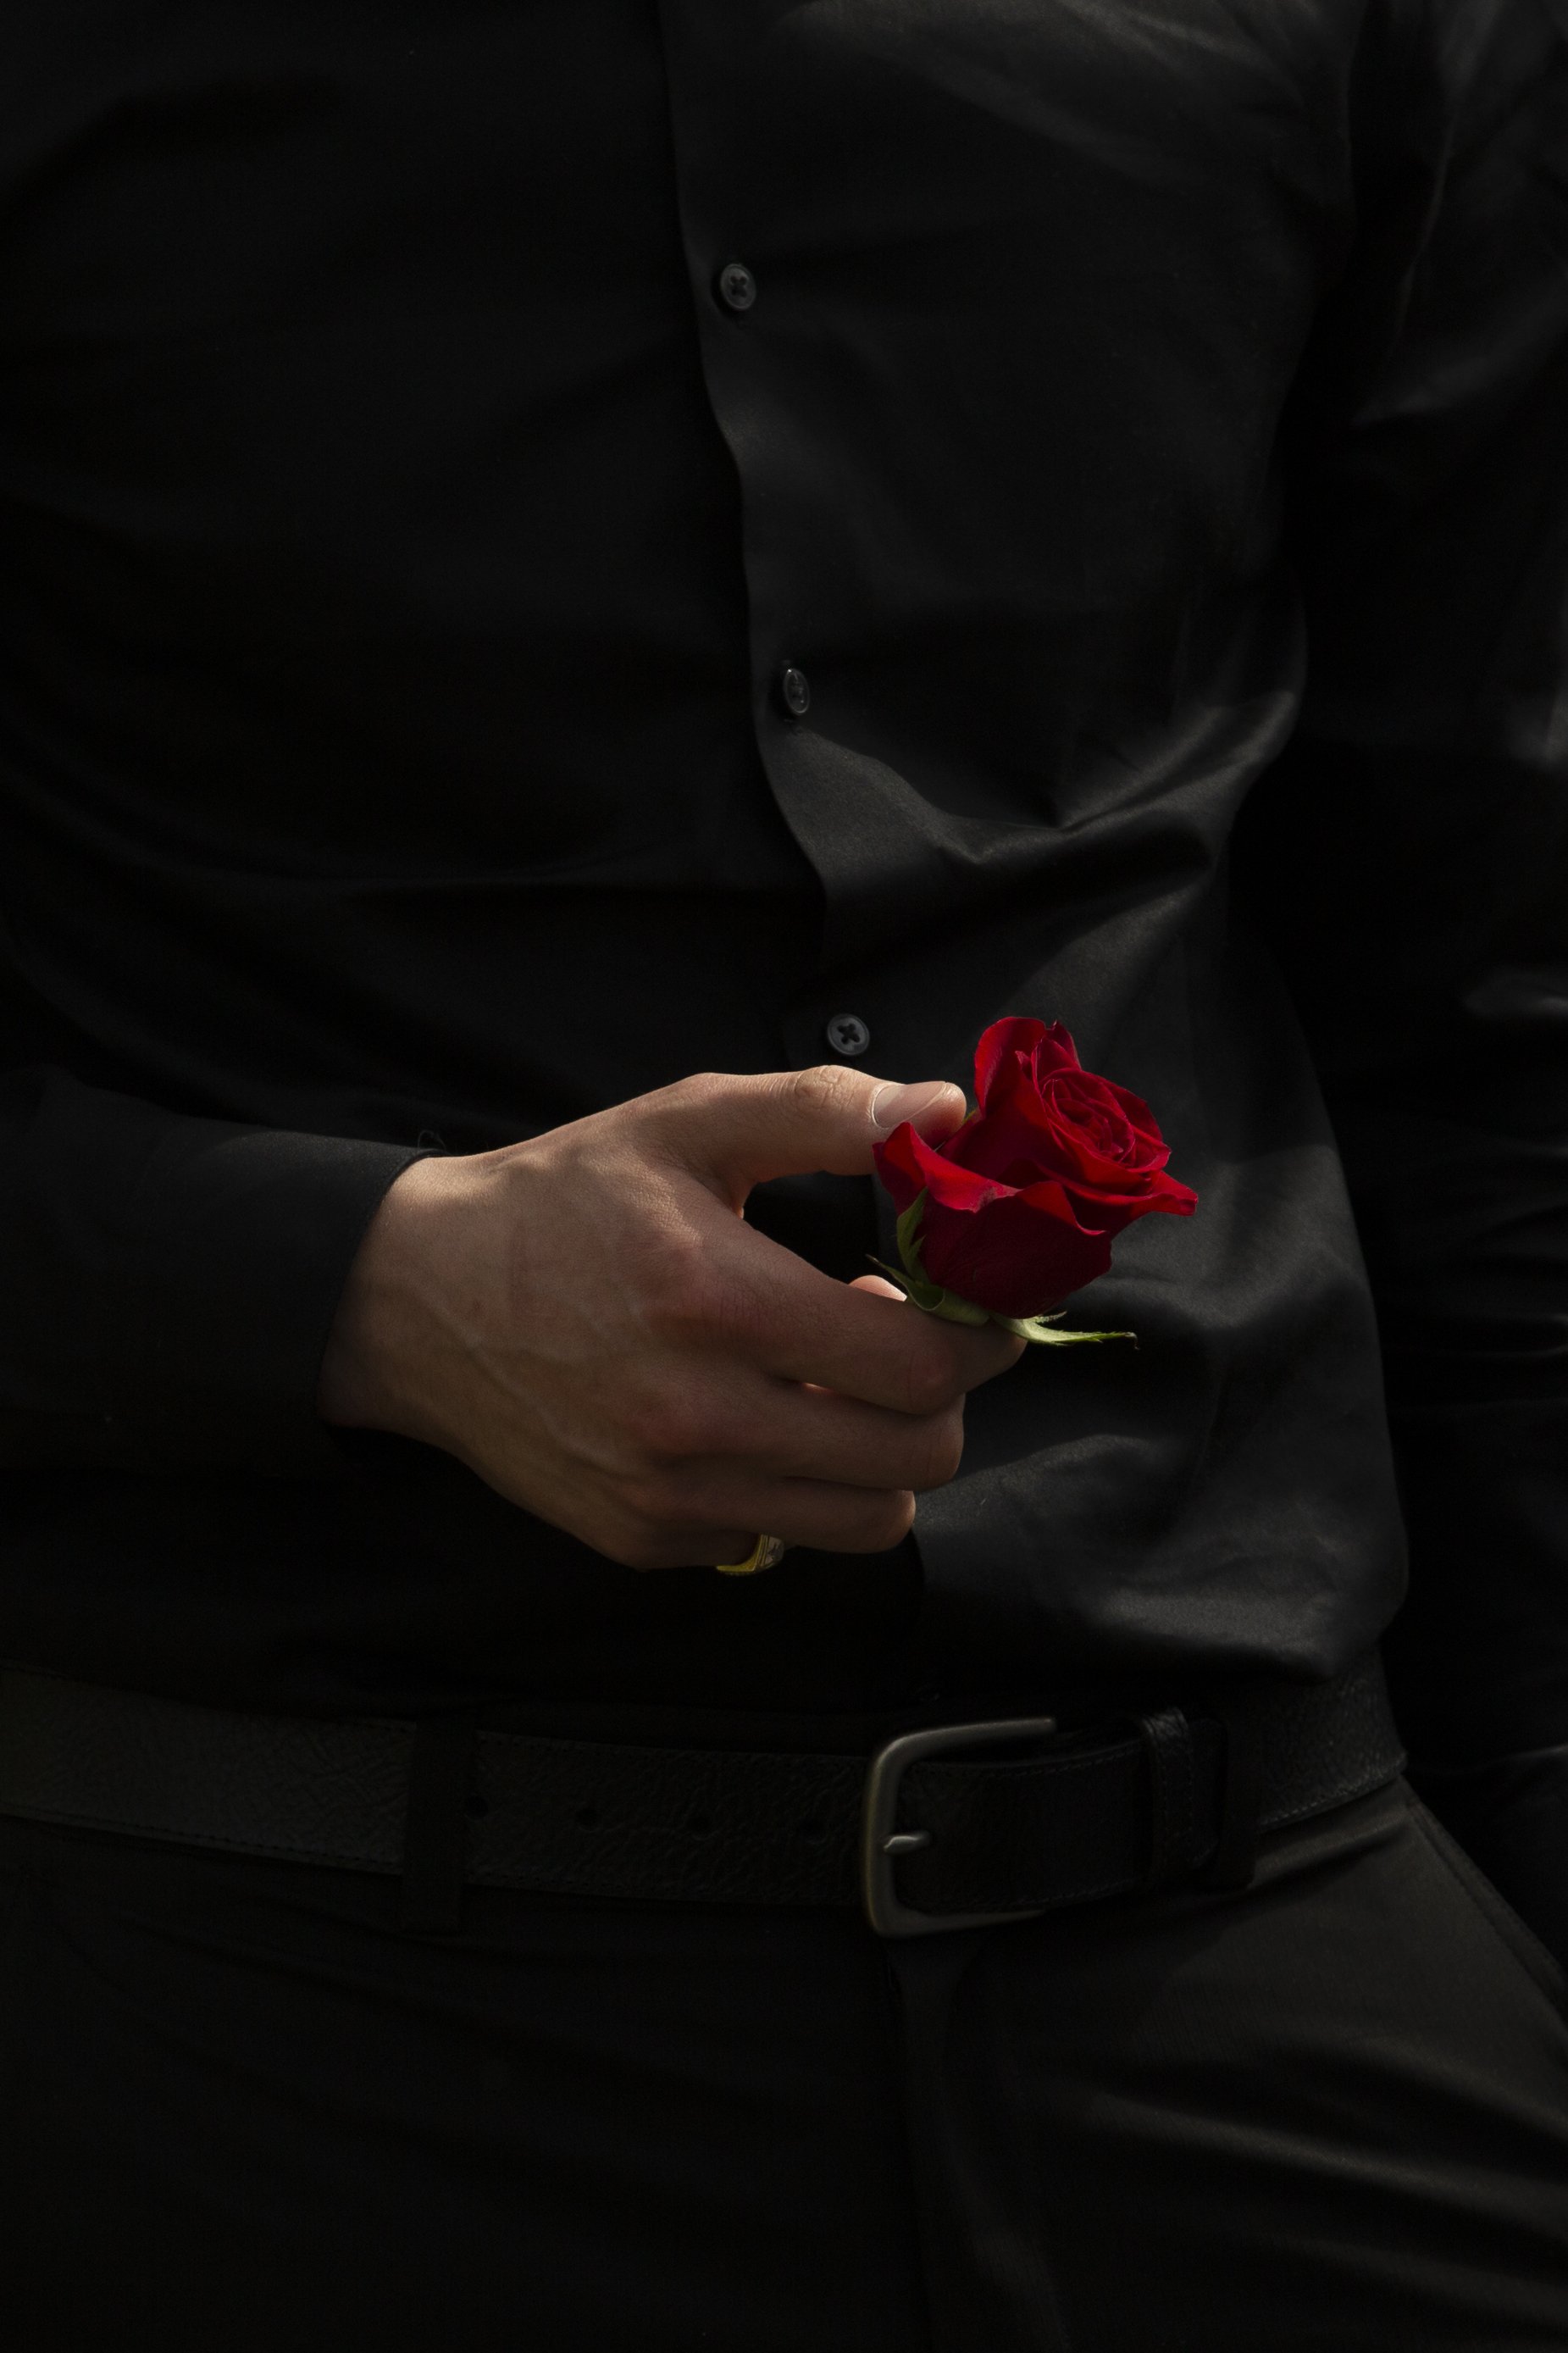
x,y
1023,1203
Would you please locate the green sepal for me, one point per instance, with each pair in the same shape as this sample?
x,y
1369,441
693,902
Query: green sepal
x,y
914,1287
1039,1329
908,1230
933,1300
953,1309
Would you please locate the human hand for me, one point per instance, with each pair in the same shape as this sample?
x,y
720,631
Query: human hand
x,y
586,1320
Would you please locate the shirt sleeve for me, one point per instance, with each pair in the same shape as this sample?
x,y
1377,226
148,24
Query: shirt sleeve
x,y
1410,857
167,1283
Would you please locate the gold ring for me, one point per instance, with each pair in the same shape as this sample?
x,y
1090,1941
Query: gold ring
x,y
767,1553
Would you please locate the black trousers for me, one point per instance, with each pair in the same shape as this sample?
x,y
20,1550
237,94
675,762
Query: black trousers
x,y
241,2113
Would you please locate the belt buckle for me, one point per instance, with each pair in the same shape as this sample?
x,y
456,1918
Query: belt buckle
x,y
882,1843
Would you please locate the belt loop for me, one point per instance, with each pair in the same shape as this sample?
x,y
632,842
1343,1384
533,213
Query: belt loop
x,y
1167,1740
1234,1858
436,1831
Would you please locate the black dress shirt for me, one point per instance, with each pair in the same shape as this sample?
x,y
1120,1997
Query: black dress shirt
x,y
550,548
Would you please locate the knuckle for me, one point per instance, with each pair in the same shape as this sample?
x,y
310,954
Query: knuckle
x,y
655,1516
944,1451
641,1500
824,1089
737,1319
695,1093
928,1380
662,1427
682,1295
644,1429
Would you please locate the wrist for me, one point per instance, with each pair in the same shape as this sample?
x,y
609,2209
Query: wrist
x,y
375,1364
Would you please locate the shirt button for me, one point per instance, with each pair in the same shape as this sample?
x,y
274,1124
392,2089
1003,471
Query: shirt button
x,y
848,1034
795,688
737,287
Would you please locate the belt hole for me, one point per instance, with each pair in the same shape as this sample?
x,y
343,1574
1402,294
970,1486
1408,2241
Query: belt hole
x,y
586,1817
700,1825
812,1831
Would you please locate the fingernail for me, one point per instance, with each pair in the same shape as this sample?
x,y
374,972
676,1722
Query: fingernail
x,y
891,1105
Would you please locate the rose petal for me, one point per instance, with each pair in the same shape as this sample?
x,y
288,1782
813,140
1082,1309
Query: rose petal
x,y
908,1166
1140,1120
1023,1204
1018,1255
1055,1051
1024,1036
1016,1124
1116,1210
1014,1132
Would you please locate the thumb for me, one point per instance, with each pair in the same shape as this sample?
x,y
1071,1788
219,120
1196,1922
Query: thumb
x,y
735,1133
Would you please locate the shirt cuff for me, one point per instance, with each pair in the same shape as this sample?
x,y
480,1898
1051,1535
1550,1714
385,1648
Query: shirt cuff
x,y
235,1247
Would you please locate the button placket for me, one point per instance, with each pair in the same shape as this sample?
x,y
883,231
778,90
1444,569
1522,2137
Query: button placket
x,y
759,352
736,287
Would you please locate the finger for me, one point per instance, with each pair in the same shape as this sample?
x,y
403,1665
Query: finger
x,y
734,1132
736,1509
790,1431
801,1326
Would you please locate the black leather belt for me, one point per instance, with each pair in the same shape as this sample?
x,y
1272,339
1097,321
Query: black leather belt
x,y
938,1829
